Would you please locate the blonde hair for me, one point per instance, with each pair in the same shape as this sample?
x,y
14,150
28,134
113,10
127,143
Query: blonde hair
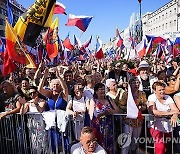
x,y
52,82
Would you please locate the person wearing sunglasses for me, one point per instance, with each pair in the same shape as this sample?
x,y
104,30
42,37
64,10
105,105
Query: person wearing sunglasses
x,y
88,143
173,85
36,104
77,107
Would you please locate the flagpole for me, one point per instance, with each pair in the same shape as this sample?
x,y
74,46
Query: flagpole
x,y
140,10
129,54
81,34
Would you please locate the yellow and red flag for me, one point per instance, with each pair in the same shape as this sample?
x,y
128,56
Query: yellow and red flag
x,y
15,49
13,45
30,23
8,65
51,39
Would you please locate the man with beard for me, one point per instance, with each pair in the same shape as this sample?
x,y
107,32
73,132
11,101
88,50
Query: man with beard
x,y
146,80
87,144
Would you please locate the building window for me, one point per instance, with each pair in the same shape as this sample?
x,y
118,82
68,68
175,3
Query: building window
x,y
166,14
174,22
159,28
170,24
2,33
159,18
2,22
174,10
170,13
162,26
166,25
4,12
162,16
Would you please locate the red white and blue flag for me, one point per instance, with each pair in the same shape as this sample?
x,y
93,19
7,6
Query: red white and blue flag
x,y
169,47
67,44
77,42
87,43
82,22
59,8
149,47
159,51
176,50
141,48
119,40
99,52
155,39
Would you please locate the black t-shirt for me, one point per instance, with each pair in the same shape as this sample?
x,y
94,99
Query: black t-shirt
x,y
8,103
111,75
146,87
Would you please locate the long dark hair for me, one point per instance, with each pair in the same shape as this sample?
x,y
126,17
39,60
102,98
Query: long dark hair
x,y
96,87
39,94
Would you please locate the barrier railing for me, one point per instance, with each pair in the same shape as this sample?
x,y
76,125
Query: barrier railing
x,y
26,134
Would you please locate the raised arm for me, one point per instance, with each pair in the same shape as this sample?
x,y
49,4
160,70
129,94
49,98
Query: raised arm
x,y
43,91
63,85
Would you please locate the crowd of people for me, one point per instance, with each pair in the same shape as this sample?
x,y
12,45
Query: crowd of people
x,y
91,91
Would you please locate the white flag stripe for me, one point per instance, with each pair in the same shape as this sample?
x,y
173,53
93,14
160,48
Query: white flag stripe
x,y
132,110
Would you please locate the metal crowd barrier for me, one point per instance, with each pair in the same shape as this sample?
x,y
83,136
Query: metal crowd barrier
x,y
26,134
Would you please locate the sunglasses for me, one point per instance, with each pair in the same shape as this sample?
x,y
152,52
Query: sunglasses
x,y
34,92
173,79
79,89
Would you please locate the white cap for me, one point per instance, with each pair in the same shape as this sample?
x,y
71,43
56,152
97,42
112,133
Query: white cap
x,y
143,64
108,81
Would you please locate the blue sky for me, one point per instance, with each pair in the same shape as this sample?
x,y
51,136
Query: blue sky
x,y
108,14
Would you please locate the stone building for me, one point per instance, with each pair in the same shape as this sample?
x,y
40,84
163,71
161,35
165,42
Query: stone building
x,y
17,10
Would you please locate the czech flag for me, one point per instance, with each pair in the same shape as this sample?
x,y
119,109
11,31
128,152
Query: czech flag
x,y
155,39
82,22
132,110
149,48
99,52
87,43
77,42
30,23
67,44
169,47
51,40
59,8
120,40
176,47
159,51
141,48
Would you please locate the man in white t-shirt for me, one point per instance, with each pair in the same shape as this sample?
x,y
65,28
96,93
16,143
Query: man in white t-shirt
x,y
87,144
